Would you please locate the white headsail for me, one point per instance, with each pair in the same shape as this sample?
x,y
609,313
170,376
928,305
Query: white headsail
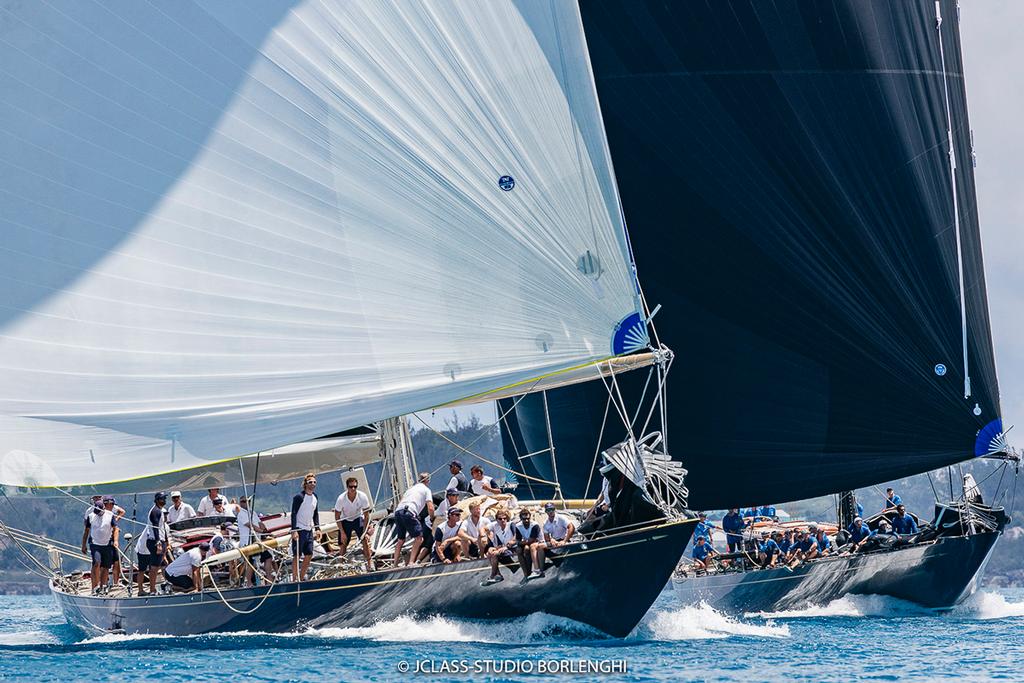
x,y
226,226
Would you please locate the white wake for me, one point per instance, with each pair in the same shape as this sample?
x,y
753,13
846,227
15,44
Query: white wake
x,y
703,622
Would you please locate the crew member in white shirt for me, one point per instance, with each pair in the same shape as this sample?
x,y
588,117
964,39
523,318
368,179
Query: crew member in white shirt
x,y
205,507
474,533
447,538
185,571
407,516
101,534
352,514
557,529
503,546
481,485
179,510
451,499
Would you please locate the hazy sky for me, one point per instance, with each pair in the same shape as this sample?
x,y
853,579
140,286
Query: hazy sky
x,y
994,69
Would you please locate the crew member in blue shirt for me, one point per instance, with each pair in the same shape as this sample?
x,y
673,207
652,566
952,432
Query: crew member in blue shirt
x,y
786,544
749,513
903,523
703,528
733,525
768,550
766,511
824,545
891,499
859,533
701,552
807,546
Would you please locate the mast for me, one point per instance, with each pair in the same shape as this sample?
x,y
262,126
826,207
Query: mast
x,y
397,453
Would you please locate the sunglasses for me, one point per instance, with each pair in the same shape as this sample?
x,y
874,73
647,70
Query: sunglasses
x,y
354,486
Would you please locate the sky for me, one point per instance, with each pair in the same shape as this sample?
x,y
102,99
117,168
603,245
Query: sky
x,y
993,54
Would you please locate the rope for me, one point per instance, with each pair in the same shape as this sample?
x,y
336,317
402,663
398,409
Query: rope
x,y
220,595
597,449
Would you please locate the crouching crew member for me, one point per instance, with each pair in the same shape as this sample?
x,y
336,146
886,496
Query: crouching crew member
x,y
447,544
185,571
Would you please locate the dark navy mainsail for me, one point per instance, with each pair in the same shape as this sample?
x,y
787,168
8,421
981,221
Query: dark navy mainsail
x,y
786,176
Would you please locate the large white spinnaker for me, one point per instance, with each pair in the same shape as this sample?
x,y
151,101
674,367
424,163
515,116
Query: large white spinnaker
x,y
228,226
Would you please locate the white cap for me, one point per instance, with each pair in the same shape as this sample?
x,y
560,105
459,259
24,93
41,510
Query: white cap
x,y
175,494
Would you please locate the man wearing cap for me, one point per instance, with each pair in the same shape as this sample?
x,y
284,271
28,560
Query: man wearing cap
x,y
530,546
352,514
701,552
185,571
451,499
205,507
734,525
768,550
503,543
703,528
903,523
558,530
220,508
458,480
447,543
156,537
101,533
480,485
179,510
305,526
823,542
859,534
248,527
407,513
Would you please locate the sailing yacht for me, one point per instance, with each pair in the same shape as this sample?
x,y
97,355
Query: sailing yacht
x,y
231,227
799,180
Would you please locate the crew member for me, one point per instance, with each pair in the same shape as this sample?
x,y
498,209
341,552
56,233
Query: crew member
x,y
447,543
156,537
503,544
451,499
458,480
407,514
220,508
352,514
179,510
702,552
480,485
473,532
558,530
859,533
704,528
821,540
185,571
903,524
248,527
766,511
891,499
101,534
530,546
786,545
305,526
768,550
734,525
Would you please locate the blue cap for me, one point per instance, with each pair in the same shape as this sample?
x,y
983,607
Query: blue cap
x,y
159,495
451,492
97,505
455,463
109,499
548,507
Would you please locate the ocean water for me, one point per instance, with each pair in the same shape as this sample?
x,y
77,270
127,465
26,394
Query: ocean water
x,y
853,638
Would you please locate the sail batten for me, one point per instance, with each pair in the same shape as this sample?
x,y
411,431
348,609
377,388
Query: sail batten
x,y
231,227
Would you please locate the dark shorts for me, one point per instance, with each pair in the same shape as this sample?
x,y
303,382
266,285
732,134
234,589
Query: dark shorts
x,y
102,555
180,581
265,555
144,559
304,545
507,556
155,558
406,524
353,528
449,553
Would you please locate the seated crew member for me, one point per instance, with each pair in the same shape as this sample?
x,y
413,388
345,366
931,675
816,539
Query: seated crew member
x,y
903,524
530,546
604,498
824,545
859,534
185,571
221,509
480,485
702,553
407,515
806,548
558,530
473,533
101,534
352,514
205,507
447,544
766,511
179,510
503,544
733,525
786,545
704,528
768,550
305,527
458,480
891,499
884,528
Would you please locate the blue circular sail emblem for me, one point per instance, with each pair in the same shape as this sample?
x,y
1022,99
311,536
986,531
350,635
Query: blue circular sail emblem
x,y
940,369
506,182
630,335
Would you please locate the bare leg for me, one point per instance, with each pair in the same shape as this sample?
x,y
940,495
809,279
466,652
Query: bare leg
x,y
152,579
305,565
366,551
398,550
415,550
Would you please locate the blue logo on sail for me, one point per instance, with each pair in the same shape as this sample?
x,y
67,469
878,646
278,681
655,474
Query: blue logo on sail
x,y
940,369
630,335
991,439
506,182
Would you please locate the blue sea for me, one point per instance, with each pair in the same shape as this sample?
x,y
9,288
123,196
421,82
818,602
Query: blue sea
x,y
854,638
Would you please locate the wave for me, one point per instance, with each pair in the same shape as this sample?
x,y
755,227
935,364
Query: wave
x,y
850,606
987,605
703,622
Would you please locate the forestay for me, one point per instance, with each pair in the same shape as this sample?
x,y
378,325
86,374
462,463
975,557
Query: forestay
x,y
230,226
